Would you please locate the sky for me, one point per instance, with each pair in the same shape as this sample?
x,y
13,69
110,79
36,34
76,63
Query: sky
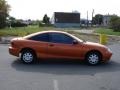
x,y
35,9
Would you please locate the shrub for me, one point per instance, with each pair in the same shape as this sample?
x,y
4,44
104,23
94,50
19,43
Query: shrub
x,y
115,23
18,24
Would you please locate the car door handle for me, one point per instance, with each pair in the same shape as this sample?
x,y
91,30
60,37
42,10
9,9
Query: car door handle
x,y
51,45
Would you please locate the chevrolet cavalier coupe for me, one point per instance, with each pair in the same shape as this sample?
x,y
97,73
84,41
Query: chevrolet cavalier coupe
x,y
58,45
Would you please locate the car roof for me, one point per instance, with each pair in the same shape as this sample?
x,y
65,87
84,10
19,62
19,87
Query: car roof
x,y
50,31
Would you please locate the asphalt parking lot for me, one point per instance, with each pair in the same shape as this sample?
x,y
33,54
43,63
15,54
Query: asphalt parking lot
x,y
58,76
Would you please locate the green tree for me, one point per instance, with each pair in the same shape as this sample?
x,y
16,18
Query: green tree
x,y
115,23
12,19
46,19
4,9
98,19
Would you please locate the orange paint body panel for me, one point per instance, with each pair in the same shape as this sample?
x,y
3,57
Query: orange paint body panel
x,y
58,50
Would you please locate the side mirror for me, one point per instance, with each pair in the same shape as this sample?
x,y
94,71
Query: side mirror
x,y
75,42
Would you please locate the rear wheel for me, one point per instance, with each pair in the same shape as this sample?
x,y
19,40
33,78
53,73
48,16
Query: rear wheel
x,y
93,58
28,56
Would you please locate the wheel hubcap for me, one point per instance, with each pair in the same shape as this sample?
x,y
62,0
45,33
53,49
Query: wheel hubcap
x,y
93,59
27,57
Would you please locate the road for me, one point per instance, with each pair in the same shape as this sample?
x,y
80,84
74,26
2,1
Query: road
x,y
58,76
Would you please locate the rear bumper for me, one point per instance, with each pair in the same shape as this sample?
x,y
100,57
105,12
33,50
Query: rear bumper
x,y
14,51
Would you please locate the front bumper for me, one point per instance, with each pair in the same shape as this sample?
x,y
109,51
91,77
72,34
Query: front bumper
x,y
107,56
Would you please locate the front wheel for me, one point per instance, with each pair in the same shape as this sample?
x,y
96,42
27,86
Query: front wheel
x,y
28,56
93,58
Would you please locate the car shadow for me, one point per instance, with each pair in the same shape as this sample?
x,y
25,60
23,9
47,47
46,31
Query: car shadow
x,y
65,67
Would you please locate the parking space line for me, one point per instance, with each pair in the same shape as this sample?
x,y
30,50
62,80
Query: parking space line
x,y
55,84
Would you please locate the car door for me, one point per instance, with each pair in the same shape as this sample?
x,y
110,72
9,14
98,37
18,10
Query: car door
x,y
40,44
61,46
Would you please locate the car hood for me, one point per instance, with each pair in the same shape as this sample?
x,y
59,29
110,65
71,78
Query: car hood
x,y
94,44
18,38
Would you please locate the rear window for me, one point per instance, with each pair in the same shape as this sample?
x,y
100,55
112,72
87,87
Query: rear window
x,y
41,37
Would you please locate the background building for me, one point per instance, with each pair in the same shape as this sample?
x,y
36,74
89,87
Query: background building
x,y
84,22
106,20
63,19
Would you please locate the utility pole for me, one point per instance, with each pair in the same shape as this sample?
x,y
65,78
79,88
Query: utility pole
x,y
92,16
87,18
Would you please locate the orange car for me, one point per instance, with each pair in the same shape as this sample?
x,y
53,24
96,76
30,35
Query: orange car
x,y
58,44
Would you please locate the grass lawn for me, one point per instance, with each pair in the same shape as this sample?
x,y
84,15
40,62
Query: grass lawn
x,y
22,31
106,31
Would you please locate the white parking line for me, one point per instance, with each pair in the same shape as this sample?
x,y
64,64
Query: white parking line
x,y
55,84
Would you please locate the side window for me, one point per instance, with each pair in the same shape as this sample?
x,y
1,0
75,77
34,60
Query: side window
x,y
60,38
40,37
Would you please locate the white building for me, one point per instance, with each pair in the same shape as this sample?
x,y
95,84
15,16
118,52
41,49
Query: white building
x,y
106,20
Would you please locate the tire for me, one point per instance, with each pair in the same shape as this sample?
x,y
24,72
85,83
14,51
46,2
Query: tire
x,y
93,58
28,56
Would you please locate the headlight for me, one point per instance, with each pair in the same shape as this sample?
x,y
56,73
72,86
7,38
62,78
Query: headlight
x,y
109,50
